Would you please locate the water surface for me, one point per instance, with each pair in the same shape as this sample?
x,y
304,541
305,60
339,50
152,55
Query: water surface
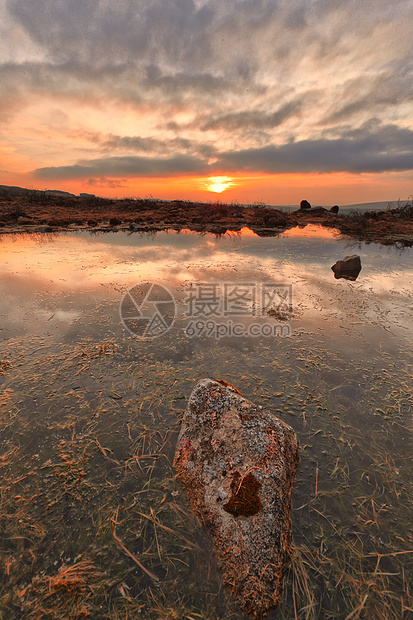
x,y
90,417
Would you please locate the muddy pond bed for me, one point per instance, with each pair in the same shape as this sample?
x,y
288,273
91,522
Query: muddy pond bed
x,y
93,522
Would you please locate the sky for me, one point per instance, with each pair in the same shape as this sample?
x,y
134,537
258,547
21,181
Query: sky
x,y
243,101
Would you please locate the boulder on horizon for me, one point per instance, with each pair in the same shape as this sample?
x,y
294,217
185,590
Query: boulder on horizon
x,y
319,211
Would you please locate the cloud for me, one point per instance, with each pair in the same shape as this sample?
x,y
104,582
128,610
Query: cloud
x,y
93,31
157,145
256,119
388,90
252,84
387,148
222,41
105,182
210,50
371,148
128,166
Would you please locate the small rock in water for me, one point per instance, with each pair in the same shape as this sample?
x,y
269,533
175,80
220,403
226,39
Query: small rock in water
x,y
349,268
238,462
304,204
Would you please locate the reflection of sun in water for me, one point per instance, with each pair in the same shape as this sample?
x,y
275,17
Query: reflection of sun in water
x,y
218,184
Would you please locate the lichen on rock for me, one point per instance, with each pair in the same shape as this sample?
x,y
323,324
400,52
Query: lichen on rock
x,y
238,463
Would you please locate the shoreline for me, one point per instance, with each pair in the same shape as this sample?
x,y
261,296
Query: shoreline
x,y
52,214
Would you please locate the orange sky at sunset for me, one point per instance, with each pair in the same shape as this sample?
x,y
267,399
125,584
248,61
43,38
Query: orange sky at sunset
x,y
252,101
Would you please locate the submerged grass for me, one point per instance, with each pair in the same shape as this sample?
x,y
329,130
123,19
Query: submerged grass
x,y
94,525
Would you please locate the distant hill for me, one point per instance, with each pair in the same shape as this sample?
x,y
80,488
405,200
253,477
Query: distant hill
x,y
371,206
11,190
361,206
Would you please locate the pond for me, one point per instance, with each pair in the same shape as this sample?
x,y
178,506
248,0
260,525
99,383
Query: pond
x,y
94,523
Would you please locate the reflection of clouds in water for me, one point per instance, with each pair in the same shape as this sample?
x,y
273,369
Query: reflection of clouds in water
x,y
311,230
381,298
28,316
102,267
75,263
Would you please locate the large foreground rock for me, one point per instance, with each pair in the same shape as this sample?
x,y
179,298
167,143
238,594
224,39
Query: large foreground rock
x,y
238,463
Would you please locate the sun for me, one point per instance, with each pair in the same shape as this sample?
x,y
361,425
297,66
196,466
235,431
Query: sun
x,y
218,184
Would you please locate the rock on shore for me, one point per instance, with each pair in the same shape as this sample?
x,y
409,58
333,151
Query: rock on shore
x,y
238,463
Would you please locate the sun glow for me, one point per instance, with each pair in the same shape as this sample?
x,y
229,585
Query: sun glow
x,y
218,184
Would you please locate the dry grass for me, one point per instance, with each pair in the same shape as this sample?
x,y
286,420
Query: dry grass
x,y
24,213
5,365
91,515
63,595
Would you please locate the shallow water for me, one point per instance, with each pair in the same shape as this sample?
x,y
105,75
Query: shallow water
x,y
90,417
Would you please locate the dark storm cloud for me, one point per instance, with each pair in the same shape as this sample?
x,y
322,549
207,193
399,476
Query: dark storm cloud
x,y
373,148
387,148
128,166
